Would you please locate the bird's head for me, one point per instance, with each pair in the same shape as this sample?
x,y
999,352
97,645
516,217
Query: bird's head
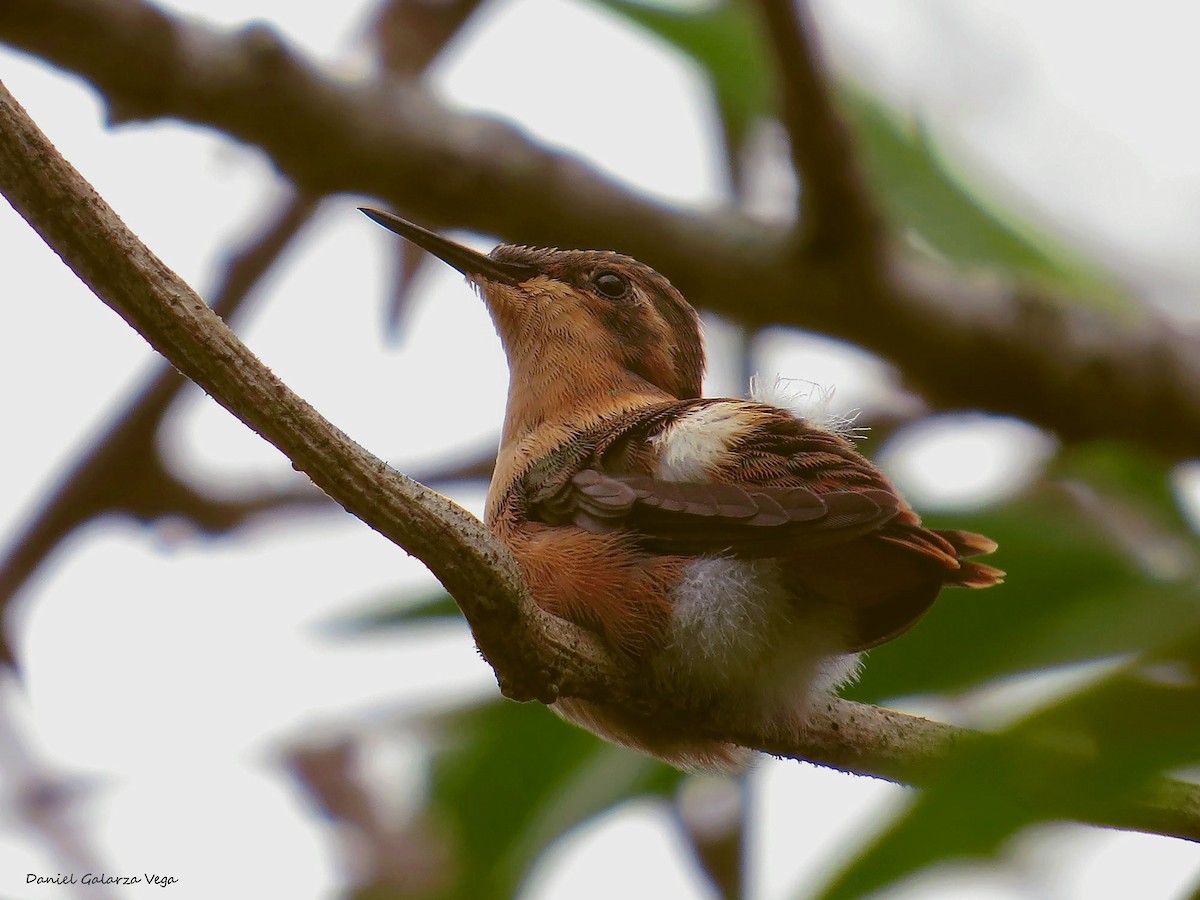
x,y
592,317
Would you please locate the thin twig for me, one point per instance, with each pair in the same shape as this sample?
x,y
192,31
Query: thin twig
x,y
962,343
712,815
535,655
384,859
839,217
124,471
408,36
42,801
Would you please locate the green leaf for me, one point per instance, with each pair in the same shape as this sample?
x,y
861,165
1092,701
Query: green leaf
x,y
1090,755
511,778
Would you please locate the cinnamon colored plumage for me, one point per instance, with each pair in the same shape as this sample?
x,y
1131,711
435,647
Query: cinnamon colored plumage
x,y
740,554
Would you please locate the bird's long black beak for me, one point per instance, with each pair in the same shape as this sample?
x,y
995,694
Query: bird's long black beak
x,y
470,262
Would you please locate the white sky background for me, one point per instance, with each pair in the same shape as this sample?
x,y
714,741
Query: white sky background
x,y
169,670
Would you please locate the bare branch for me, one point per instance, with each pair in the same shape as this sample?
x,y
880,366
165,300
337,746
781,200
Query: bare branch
x,y
962,343
871,740
535,655
838,216
124,470
409,34
41,800
387,859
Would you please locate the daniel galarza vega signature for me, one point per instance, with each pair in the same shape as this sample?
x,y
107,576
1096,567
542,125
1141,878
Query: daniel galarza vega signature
x,y
101,878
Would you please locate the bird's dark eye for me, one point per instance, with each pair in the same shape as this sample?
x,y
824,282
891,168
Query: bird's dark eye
x,y
610,284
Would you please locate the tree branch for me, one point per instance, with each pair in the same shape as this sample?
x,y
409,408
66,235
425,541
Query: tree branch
x,y
124,471
37,798
839,218
535,655
962,343
385,859
408,35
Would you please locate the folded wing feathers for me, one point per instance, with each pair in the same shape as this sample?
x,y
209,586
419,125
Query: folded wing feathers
x,y
846,498
856,508
603,500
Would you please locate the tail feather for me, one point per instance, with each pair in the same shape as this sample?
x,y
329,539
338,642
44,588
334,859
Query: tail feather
x,y
972,574
928,543
967,543
976,575
952,549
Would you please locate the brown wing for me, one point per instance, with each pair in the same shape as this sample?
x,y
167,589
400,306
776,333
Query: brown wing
x,y
718,517
782,489
777,485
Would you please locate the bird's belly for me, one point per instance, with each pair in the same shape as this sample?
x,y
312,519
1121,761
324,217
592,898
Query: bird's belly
x,y
739,645
739,638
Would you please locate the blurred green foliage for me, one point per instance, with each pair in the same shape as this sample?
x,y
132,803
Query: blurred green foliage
x,y
511,778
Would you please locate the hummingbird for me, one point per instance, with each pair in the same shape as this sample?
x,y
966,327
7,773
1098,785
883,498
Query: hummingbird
x,y
740,555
